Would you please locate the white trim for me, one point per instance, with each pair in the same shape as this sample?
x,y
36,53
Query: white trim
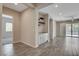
x,y
48,26
7,16
29,44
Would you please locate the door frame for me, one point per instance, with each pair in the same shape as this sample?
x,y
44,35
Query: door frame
x,y
7,16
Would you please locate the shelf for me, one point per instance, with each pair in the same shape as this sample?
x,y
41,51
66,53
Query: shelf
x,y
42,22
41,18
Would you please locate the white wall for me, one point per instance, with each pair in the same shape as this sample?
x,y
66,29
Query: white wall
x,y
51,28
54,29
28,27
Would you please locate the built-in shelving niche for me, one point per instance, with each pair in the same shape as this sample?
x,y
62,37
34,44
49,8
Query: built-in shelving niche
x,y
41,21
42,28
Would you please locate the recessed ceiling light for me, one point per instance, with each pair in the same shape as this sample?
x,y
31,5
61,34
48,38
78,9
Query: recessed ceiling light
x,y
15,3
56,6
60,14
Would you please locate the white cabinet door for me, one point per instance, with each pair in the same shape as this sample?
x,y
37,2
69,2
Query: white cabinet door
x,y
43,38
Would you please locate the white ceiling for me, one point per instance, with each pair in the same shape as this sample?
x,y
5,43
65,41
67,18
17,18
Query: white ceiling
x,y
22,6
64,11
19,7
42,5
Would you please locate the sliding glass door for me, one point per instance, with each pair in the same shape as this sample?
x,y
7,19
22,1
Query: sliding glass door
x,y
72,29
75,29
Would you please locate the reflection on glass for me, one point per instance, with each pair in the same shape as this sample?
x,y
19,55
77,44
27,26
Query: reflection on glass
x,y
8,27
75,29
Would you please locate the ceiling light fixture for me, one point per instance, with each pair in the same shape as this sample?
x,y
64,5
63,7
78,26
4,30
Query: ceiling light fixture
x,y
15,3
56,6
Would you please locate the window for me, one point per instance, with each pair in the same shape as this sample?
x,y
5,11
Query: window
x,y
8,27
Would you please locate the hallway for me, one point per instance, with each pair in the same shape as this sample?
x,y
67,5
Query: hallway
x,y
67,46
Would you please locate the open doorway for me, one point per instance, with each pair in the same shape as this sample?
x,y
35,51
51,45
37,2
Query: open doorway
x,y
7,27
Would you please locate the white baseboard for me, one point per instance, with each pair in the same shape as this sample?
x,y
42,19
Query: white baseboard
x,y
29,44
17,42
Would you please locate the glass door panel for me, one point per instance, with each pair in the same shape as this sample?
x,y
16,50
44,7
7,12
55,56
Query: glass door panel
x,y
68,29
75,29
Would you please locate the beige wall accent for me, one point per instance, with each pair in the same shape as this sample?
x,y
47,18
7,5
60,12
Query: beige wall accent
x,y
62,29
16,23
46,23
28,29
58,29
0,29
0,22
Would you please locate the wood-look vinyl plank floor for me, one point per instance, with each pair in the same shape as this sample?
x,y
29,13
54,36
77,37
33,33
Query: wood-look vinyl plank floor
x,y
68,46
